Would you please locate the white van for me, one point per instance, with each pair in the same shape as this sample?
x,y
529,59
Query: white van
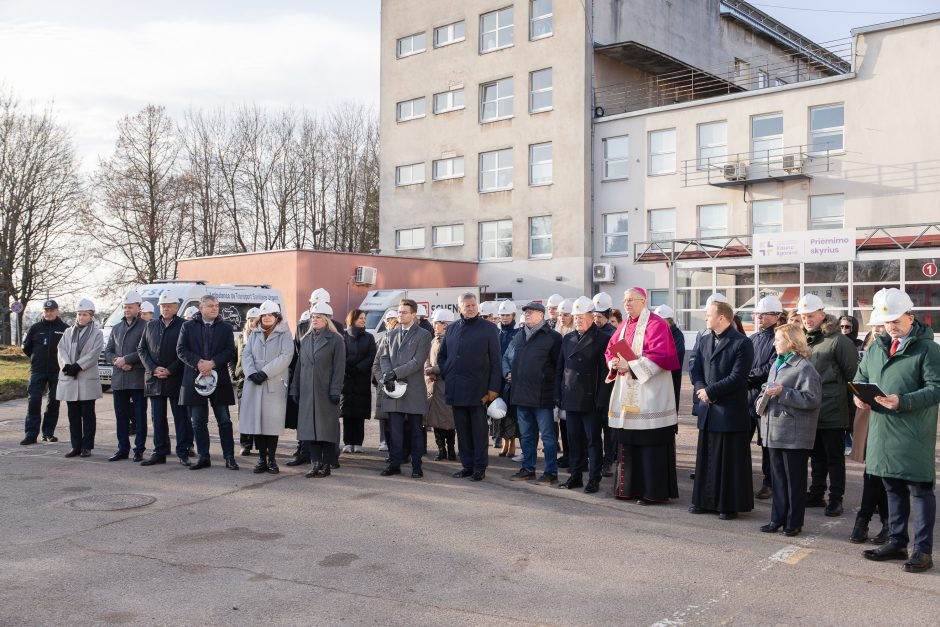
x,y
234,303
377,302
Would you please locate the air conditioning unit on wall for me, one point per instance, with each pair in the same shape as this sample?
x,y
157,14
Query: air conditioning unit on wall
x,y
365,275
604,273
793,164
735,171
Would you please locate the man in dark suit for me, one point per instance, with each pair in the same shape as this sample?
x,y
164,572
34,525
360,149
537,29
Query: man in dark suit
x,y
207,344
401,359
469,360
723,359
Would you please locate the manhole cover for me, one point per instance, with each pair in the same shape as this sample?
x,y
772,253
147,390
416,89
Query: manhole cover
x,y
29,452
110,502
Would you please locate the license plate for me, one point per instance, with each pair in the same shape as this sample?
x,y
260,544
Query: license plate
x,y
104,373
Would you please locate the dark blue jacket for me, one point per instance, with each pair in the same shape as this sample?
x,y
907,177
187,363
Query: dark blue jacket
x,y
678,339
506,333
158,348
582,368
469,361
764,356
533,368
41,345
723,375
192,346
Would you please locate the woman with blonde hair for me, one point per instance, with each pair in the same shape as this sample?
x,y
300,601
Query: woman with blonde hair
x,y
79,385
789,410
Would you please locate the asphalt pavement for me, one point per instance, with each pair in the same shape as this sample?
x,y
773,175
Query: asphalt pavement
x,y
86,541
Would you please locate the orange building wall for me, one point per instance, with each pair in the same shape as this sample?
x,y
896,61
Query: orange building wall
x,y
296,273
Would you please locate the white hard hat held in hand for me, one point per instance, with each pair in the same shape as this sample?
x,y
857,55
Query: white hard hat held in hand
x,y
497,409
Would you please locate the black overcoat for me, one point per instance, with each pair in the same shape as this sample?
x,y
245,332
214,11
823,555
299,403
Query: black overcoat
x,y
221,349
722,372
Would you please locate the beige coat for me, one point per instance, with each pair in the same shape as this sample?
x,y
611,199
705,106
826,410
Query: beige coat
x,y
86,385
264,407
440,415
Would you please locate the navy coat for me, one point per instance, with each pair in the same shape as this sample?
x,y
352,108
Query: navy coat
x,y
764,356
357,387
41,345
158,348
582,368
469,361
723,375
190,350
532,365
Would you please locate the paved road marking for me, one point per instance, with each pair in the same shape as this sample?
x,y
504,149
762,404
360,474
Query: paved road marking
x,y
790,554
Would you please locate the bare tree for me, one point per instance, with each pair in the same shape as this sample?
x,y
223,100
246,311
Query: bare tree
x,y
204,181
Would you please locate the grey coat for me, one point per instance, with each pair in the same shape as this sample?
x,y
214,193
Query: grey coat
x,y
379,413
263,408
439,415
406,359
319,374
86,385
123,342
790,418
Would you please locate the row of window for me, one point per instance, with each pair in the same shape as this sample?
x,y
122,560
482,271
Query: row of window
x,y
497,30
495,169
495,238
496,99
825,212
826,132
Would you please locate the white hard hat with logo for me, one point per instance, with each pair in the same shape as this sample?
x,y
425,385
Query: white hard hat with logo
x,y
168,298
398,392
131,298
254,312
889,305
507,308
565,306
269,307
497,409
716,298
809,303
582,305
86,304
665,311
769,304
389,314
146,307
191,311
305,316
322,307
489,308
602,301
318,295
442,315
205,383
554,300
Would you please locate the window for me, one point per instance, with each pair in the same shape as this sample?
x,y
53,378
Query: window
x,y
409,238
616,154
496,100
662,224
540,22
827,128
662,152
767,216
447,168
409,174
826,212
496,240
496,170
540,236
658,297
540,90
763,79
742,70
615,233
449,34
448,101
766,136
410,109
712,144
540,164
448,235
712,221
496,30
412,44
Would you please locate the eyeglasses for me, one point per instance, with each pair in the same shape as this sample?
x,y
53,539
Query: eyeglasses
x,y
634,300
845,326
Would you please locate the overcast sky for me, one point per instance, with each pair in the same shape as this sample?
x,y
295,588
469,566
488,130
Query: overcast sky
x,y
102,59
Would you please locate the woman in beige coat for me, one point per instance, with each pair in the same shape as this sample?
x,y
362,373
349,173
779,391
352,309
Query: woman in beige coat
x,y
439,416
79,385
265,359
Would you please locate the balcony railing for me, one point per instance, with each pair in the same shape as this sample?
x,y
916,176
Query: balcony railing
x,y
748,168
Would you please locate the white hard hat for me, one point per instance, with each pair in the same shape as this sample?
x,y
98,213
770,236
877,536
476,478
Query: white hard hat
x,y
583,305
205,383
769,304
809,303
422,311
269,307
191,311
716,298
319,294
168,298
146,307
665,311
131,298
497,409
602,301
322,307
391,313
489,308
254,312
398,392
554,300
566,305
86,304
442,315
506,308
889,305
305,316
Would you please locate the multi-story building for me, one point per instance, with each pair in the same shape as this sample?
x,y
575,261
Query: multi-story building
x,y
487,113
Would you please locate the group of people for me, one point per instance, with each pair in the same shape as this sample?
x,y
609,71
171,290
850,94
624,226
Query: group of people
x,y
606,395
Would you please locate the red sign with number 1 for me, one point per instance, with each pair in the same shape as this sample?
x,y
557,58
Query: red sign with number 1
x,y
930,269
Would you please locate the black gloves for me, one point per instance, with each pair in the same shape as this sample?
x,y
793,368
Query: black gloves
x,y
334,399
390,377
71,370
258,377
390,385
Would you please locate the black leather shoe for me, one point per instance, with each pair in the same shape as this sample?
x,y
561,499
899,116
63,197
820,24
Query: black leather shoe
x,y
564,462
547,478
388,471
695,509
887,552
272,466
441,455
463,473
118,457
202,462
324,471
154,460
606,471
727,515
49,438
261,466
571,484
764,493
138,457
593,485
480,475
85,453
771,527
882,536
298,461
859,531
417,474
185,461
815,500
834,508
245,452
523,475
792,531
918,563
27,441
73,453
230,463
314,469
